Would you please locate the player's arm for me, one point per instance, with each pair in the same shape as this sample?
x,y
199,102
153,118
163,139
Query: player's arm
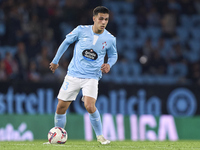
x,y
70,38
112,57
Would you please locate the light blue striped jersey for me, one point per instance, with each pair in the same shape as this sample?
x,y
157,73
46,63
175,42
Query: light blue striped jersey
x,y
89,52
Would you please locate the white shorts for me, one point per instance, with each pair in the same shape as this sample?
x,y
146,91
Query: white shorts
x,y
72,85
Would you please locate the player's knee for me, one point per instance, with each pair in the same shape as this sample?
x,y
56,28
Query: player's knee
x,y
90,108
61,107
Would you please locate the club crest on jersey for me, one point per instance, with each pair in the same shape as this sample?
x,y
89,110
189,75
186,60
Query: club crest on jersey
x,y
104,45
89,54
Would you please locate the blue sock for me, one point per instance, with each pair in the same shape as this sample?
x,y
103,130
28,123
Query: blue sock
x,y
60,120
96,122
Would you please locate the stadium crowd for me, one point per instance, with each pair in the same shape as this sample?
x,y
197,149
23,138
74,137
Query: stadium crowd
x,y
156,39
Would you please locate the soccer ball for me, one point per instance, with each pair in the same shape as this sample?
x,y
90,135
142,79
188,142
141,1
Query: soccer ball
x,y
57,135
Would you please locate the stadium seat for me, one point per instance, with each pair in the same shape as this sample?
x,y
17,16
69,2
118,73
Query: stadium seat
x,y
154,32
2,29
135,69
127,7
125,20
126,32
182,33
177,69
192,56
185,21
143,34
5,49
125,44
119,7
195,20
139,42
195,32
113,6
65,28
130,54
194,45
149,79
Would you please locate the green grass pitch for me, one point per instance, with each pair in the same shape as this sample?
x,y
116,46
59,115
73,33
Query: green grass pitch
x,y
93,145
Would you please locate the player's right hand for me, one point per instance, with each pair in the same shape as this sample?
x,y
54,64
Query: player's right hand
x,y
53,66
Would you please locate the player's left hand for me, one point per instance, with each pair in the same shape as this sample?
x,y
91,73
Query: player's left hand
x,y
105,68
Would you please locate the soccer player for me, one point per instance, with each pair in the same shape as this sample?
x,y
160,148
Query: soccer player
x,y
92,42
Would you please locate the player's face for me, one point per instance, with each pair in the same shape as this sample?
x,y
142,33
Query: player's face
x,y
100,22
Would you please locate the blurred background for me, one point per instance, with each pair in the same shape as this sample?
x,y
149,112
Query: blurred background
x,y
157,72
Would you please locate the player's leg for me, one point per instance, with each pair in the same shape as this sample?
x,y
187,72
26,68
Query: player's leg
x,y
90,91
94,115
60,115
68,93
95,118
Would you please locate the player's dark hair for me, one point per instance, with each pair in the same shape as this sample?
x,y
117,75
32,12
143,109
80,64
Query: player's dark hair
x,y
100,9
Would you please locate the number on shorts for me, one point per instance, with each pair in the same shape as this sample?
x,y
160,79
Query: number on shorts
x,y
65,85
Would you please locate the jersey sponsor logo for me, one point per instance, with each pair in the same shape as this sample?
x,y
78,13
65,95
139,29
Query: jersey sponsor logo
x,y
89,54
